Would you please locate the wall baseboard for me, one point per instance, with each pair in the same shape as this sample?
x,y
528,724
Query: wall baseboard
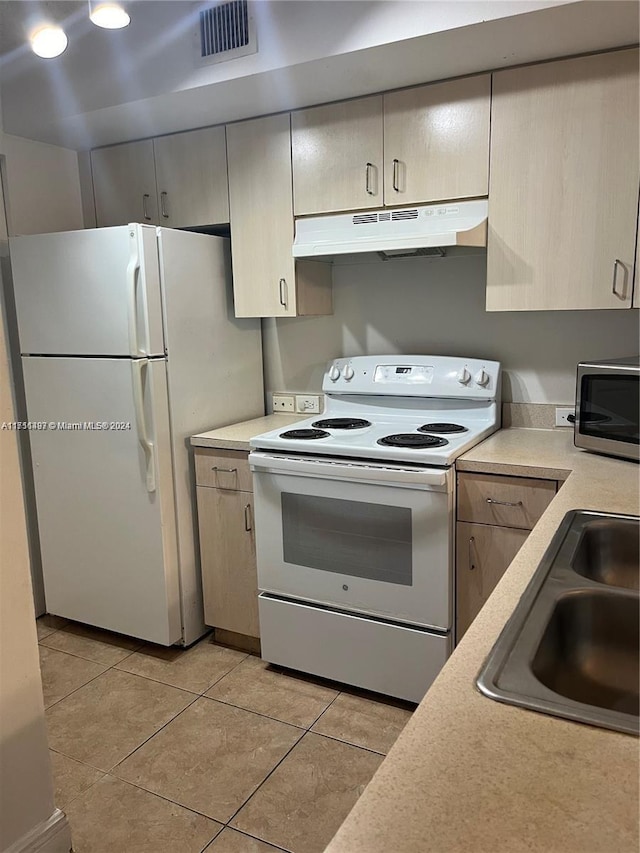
x,y
49,836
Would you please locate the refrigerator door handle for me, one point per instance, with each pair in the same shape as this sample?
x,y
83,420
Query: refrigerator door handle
x,y
133,277
137,368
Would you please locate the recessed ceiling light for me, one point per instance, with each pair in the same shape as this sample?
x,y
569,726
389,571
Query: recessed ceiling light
x,y
49,41
110,16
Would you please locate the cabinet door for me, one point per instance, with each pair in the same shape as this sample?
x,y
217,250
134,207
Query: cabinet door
x,y
483,554
337,156
436,141
191,177
228,560
636,268
124,184
564,184
259,157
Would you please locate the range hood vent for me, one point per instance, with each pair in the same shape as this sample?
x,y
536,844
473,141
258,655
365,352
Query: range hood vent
x,y
399,232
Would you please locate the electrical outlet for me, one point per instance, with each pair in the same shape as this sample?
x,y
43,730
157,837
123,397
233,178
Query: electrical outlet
x,y
283,402
562,416
308,404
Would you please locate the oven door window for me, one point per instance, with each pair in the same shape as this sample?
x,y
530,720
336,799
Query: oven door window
x,y
364,540
609,407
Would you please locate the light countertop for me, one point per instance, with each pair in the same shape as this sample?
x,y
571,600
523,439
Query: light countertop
x,y
470,774
238,436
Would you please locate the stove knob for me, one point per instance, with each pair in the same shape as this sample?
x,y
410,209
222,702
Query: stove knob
x,y
463,376
482,378
348,372
334,373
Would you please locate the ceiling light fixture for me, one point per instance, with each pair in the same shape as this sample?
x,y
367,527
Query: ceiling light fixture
x,y
49,41
110,16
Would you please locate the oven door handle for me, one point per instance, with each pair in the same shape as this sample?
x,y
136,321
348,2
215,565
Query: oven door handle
x,y
437,479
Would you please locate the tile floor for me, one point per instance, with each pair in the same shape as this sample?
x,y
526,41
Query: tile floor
x,y
207,749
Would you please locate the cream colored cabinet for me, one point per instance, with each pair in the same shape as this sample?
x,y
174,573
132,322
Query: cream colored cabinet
x,y
178,180
494,516
267,282
636,269
436,141
564,184
124,184
424,144
191,178
337,156
227,541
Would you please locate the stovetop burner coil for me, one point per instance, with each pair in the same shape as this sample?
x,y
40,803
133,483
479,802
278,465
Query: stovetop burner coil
x,y
442,428
305,434
342,423
412,439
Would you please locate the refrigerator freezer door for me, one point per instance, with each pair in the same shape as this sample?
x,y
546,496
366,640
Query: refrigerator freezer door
x,y
105,497
92,292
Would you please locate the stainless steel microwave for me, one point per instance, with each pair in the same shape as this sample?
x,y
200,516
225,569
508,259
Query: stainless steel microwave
x,y
608,407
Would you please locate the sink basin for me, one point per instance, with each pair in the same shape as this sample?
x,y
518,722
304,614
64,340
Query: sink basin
x,y
571,647
589,651
608,552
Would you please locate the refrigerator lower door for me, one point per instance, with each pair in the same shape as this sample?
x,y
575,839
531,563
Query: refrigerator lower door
x,y
104,493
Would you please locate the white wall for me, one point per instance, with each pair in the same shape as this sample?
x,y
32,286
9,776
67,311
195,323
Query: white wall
x,y
43,186
26,787
436,306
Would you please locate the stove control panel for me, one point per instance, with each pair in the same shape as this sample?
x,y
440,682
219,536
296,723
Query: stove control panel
x,y
414,376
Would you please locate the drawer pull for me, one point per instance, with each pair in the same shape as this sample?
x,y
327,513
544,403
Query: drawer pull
x,y
471,544
503,503
247,518
224,470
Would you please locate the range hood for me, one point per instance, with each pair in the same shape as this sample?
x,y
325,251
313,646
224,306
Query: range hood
x,y
393,233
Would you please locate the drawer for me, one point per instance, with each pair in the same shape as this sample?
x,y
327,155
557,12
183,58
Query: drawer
x,y
503,501
223,469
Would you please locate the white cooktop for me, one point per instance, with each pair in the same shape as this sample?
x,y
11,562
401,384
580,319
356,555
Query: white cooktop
x,y
393,394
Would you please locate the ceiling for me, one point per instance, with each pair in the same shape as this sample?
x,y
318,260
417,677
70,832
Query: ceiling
x,y
146,80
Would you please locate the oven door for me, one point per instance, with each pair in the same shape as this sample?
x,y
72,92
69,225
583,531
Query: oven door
x,y
362,537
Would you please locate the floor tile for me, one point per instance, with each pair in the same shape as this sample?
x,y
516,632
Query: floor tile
x,y
113,817
92,643
304,801
364,722
48,624
256,686
70,778
211,758
231,841
62,674
102,722
192,669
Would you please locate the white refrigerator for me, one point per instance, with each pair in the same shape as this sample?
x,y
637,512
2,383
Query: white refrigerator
x,y
129,346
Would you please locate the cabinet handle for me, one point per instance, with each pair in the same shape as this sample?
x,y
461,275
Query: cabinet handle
x,y
145,212
503,503
283,292
368,183
247,518
394,179
163,205
614,281
471,544
224,470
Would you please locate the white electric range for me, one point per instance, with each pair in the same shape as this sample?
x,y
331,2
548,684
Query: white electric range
x,y
354,519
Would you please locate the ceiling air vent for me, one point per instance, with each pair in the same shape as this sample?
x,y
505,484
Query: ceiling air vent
x,y
226,31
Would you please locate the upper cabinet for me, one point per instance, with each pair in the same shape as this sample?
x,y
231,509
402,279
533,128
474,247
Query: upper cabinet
x,y
124,183
436,141
267,282
424,144
564,184
337,156
191,178
178,180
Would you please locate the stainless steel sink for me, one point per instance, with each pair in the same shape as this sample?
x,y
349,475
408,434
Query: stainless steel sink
x,y
571,647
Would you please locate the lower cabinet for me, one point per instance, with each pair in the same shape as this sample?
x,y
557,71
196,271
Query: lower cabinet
x,y
227,544
495,514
